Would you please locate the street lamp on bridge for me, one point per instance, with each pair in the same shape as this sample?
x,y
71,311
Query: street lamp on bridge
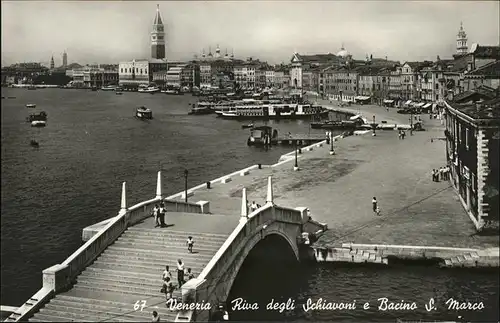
x,y
296,166
374,125
185,185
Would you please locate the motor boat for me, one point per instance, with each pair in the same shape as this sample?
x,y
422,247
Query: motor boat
x,y
38,123
41,116
144,113
31,105
108,88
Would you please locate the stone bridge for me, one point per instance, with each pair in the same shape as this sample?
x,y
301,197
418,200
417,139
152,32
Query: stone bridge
x,y
123,257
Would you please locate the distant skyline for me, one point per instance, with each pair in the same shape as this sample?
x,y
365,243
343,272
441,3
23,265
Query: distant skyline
x,y
114,31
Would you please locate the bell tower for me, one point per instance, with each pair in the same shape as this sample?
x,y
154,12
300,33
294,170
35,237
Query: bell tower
x,y
461,41
158,37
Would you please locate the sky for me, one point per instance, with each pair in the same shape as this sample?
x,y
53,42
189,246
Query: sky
x,y
113,31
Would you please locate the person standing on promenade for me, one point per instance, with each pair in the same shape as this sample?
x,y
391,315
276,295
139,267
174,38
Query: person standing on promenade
x,y
374,204
162,215
433,175
189,274
441,173
156,317
447,172
180,272
155,214
253,207
168,289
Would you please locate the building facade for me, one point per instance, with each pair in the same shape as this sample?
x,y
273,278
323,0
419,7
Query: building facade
x,y
158,43
472,149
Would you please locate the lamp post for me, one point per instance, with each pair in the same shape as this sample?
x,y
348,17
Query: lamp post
x,y
411,123
332,152
373,134
186,185
296,166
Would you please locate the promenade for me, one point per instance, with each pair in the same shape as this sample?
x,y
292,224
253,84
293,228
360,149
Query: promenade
x,y
338,189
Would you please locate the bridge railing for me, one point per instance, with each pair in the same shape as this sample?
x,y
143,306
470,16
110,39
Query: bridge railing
x,y
61,276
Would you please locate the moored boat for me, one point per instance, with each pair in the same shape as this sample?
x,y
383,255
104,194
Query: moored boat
x,y
172,92
38,123
276,112
149,89
108,88
246,126
118,93
31,105
143,113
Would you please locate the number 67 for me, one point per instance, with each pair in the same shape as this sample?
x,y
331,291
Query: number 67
x,y
142,305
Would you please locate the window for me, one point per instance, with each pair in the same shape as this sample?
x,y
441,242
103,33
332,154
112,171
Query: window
x,y
467,138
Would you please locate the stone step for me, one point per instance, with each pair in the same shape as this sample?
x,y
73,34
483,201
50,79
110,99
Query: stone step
x,y
87,317
121,272
162,232
160,265
144,260
115,312
153,291
41,317
125,282
130,250
106,288
139,279
138,267
150,305
154,248
166,243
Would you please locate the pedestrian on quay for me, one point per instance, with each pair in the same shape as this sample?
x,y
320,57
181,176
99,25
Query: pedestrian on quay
x,y
374,204
447,172
155,214
161,215
180,272
399,134
190,244
433,175
156,317
441,173
377,211
403,134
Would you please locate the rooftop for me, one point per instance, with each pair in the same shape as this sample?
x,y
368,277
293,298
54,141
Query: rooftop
x,y
491,70
481,103
486,51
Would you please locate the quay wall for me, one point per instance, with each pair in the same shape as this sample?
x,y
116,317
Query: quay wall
x,y
385,254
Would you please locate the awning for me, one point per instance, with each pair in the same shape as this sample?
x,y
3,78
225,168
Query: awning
x,y
427,105
355,117
388,101
408,102
420,104
362,97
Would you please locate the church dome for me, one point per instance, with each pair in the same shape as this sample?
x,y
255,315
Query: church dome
x,y
343,52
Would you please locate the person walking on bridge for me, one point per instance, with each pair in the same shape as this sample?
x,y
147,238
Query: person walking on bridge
x,y
180,272
374,204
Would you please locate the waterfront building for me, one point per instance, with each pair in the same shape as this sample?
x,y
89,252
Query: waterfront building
x,y
395,84
373,82
409,79
270,77
178,75
64,59
140,71
461,41
260,77
205,74
244,74
472,150
281,78
341,83
158,42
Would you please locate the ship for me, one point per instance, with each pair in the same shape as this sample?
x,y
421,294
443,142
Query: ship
x,y
149,89
41,116
276,112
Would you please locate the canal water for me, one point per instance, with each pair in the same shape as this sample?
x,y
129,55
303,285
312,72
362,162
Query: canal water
x,y
92,143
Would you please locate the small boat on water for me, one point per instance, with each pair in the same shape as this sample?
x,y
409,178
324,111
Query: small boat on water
x,y
31,105
38,123
108,88
262,136
34,143
119,93
144,113
246,126
41,116
149,89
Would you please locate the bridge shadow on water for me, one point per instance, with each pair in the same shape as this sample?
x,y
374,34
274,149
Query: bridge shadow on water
x,y
270,272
